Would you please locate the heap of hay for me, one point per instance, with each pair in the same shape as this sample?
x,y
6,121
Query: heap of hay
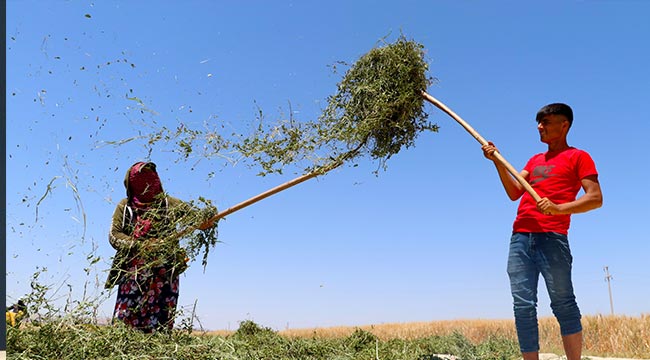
x,y
377,110
379,105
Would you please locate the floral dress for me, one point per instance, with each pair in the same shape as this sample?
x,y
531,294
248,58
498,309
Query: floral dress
x,y
147,297
147,279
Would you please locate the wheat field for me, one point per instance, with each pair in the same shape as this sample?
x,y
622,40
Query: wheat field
x,y
604,335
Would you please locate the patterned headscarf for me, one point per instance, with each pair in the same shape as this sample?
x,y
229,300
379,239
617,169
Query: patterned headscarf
x,y
142,184
143,188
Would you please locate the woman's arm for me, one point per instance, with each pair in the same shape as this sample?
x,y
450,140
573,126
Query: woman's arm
x,y
117,236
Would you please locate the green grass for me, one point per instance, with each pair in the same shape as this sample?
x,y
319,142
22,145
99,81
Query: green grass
x,y
58,340
71,330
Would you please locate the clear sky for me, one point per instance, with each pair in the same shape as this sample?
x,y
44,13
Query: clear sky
x,y
424,240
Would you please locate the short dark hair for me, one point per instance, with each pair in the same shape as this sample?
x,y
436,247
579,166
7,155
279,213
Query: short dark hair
x,y
556,109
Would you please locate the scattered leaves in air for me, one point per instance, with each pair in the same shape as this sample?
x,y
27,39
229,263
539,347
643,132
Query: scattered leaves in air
x,y
377,111
134,98
48,191
88,16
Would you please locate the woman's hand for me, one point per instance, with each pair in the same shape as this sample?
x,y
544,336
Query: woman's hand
x,y
152,244
208,224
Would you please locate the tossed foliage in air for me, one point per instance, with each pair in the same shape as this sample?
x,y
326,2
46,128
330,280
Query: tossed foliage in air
x,y
377,111
379,103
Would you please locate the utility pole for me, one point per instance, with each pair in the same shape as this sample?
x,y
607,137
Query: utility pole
x,y
608,278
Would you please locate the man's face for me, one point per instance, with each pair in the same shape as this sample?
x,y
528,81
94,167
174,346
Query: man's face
x,y
552,128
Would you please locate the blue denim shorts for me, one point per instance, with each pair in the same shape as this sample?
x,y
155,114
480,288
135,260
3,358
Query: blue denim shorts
x,y
548,254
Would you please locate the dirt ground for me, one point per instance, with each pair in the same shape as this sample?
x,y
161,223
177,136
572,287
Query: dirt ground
x,y
545,357
3,356
557,357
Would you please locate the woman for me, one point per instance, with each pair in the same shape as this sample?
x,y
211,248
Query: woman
x,y
149,258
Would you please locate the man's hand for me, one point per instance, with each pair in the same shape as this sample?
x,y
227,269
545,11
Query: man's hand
x,y
547,207
489,150
591,199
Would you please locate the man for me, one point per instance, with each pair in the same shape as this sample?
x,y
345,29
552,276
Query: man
x,y
539,243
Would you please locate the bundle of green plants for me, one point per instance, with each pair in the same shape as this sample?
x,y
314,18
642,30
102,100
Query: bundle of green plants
x,y
379,106
376,111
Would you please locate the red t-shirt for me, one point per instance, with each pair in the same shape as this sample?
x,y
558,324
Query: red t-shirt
x,y
557,176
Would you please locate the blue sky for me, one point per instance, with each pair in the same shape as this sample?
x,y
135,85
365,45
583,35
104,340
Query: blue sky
x,y
424,240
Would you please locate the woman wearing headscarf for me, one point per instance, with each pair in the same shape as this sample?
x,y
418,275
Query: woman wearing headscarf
x,y
148,259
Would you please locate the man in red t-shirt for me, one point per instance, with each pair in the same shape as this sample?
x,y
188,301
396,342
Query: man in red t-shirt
x,y
539,243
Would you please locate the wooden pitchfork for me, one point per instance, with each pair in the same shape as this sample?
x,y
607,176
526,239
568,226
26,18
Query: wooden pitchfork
x,y
481,140
334,165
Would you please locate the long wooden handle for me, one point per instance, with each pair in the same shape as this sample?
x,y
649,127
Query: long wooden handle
x,y
264,195
482,141
274,190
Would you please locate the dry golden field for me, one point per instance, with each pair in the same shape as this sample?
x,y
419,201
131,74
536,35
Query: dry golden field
x,y
604,335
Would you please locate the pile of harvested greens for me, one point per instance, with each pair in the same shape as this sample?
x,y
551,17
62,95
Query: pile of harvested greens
x,y
379,104
377,110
